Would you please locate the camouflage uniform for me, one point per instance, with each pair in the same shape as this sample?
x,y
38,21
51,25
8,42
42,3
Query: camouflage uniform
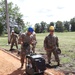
x,y
51,43
25,50
14,40
33,36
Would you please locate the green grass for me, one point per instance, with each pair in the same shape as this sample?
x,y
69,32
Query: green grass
x,y
66,44
66,40
3,42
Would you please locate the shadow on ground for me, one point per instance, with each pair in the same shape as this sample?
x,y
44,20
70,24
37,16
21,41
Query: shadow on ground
x,y
19,71
53,66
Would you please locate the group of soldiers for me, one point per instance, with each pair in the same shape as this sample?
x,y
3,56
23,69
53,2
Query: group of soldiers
x,y
28,44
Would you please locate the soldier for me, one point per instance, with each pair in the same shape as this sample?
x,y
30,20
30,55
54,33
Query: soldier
x,y
26,40
51,45
13,40
34,41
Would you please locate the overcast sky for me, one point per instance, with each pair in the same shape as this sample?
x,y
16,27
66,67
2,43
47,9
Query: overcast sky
x,y
35,11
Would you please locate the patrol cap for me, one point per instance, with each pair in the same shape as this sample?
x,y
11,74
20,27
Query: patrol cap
x,y
51,28
30,29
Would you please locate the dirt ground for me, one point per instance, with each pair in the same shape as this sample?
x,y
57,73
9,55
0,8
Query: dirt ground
x,y
11,66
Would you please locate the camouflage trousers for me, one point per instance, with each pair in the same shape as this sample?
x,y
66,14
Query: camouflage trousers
x,y
24,52
54,53
33,48
12,44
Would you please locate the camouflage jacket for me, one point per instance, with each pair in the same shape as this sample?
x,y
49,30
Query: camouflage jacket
x,y
13,37
33,36
51,42
26,38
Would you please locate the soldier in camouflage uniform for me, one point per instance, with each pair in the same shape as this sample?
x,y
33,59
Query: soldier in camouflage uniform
x,y
51,45
34,41
26,40
13,40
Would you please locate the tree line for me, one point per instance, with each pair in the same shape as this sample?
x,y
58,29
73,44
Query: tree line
x,y
16,21
59,26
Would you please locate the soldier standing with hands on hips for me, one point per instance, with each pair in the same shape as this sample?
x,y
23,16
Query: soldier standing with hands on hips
x,y
51,45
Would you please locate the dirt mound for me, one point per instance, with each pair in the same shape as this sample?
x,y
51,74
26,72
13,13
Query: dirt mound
x,y
9,65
